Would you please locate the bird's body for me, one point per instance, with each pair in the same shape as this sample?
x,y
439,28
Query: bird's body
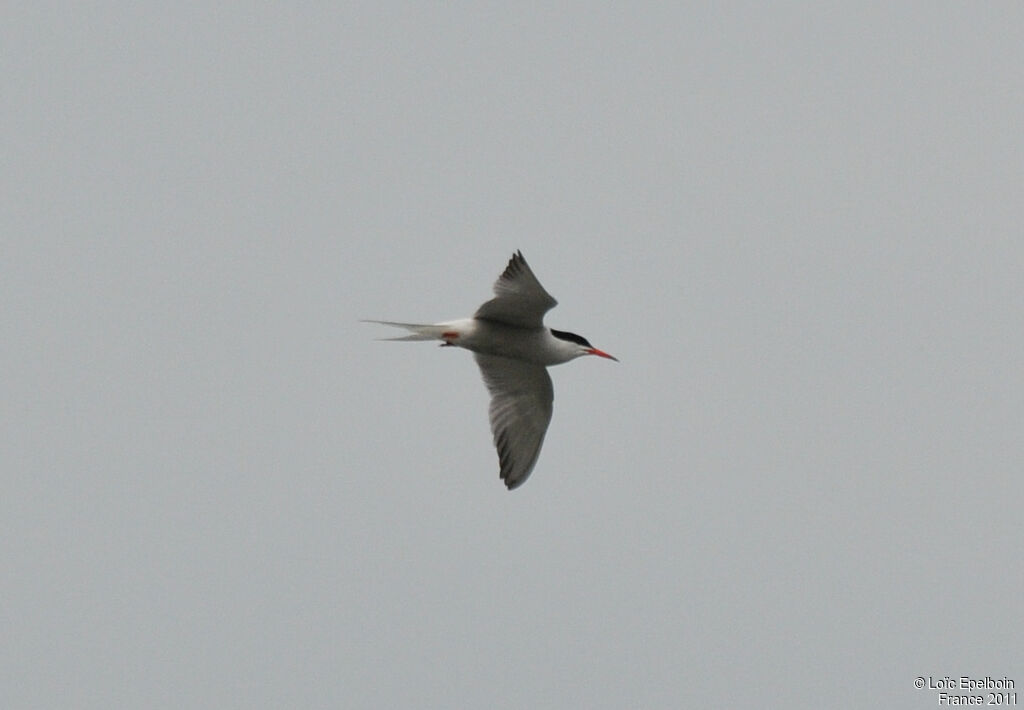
x,y
536,345
513,348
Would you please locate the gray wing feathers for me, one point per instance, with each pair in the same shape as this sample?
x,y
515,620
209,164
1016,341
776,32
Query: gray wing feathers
x,y
520,411
519,300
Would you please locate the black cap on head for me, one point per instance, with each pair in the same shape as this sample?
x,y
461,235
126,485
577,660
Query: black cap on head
x,y
571,337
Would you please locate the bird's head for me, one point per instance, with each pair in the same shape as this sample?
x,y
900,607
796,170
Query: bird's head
x,y
577,345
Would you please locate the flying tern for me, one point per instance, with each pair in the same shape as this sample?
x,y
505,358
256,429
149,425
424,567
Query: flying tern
x,y
513,348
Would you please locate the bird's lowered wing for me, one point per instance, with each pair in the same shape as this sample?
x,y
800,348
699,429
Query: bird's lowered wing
x,y
520,411
519,299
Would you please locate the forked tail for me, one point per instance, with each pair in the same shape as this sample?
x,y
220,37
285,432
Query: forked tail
x,y
418,331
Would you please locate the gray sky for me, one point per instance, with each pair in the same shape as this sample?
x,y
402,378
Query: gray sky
x,y
798,226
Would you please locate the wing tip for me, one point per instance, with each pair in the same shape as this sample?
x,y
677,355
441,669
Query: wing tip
x,y
515,264
509,477
513,483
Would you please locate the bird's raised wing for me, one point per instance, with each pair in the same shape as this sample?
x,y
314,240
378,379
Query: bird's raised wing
x,y
521,397
519,299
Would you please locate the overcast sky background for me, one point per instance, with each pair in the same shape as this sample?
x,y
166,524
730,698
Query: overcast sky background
x,y
797,225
